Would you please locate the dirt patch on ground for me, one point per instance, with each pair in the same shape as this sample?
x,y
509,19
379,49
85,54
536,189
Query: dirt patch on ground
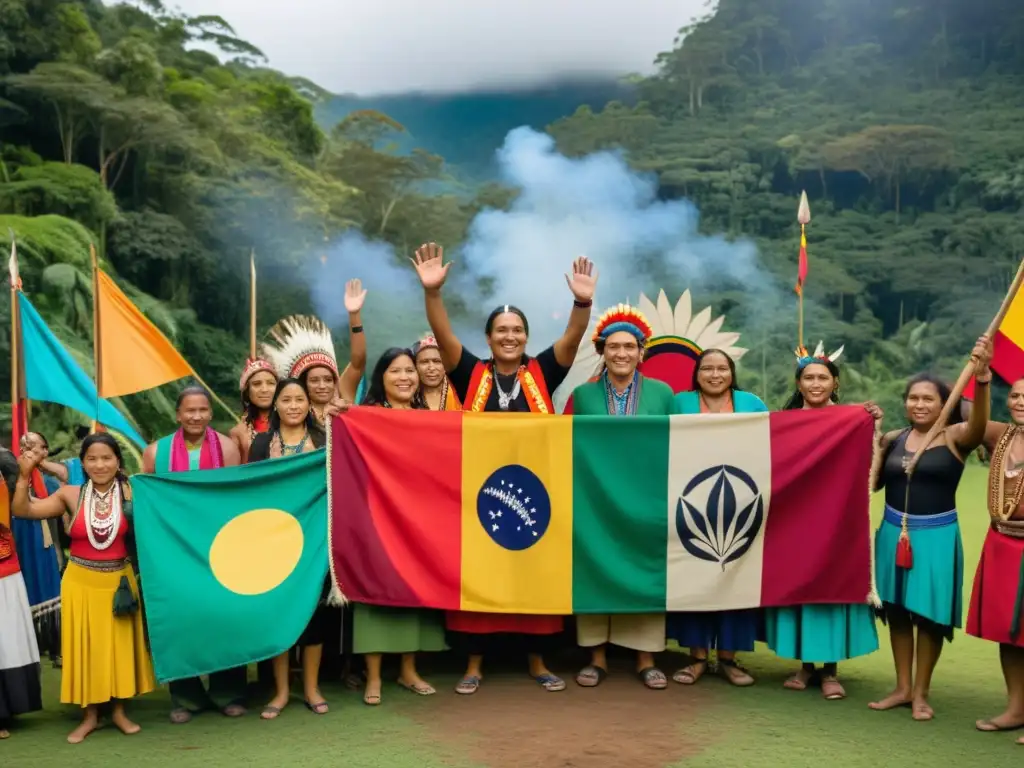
x,y
511,721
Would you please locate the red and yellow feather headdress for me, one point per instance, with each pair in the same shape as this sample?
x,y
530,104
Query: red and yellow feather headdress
x,y
623,318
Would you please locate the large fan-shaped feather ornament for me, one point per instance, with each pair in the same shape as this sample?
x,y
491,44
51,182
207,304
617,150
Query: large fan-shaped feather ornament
x,y
299,343
680,335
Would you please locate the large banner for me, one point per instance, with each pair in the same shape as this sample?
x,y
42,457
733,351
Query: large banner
x,y
514,513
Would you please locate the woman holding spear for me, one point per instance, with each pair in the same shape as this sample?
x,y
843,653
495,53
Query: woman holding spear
x,y
918,550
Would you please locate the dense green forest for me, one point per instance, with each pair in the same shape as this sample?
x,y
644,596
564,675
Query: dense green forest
x,y
899,117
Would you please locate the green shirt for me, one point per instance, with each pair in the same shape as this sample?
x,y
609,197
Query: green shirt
x,y
590,399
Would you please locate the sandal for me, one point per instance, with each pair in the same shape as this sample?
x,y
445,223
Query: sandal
x,y
233,710
371,699
180,716
319,708
736,675
270,712
691,673
591,676
798,681
550,683
421,688
653,678
832,689
468,685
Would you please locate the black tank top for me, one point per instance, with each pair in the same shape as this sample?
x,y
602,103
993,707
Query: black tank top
x,y
936,477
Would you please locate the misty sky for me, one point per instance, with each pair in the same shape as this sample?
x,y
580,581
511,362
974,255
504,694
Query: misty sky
x,y
380,46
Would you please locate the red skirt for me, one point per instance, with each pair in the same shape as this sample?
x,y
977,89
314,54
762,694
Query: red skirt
x,y
997,587
490,623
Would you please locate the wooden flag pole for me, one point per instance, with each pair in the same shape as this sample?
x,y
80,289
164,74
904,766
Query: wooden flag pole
x,y
97,360
15,339
800,302
252,304
968,371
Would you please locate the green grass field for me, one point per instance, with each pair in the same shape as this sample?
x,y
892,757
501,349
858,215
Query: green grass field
x,y
512,723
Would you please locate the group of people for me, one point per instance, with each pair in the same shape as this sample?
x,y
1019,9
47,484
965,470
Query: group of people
x,y
290,391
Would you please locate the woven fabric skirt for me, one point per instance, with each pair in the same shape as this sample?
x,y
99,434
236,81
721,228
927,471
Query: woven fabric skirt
x,y
932,589
20,690
105,656
821,634
722,630
380,629
636,631
997,600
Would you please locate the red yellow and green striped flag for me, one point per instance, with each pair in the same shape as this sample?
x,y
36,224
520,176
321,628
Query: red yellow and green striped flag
x,y
514,513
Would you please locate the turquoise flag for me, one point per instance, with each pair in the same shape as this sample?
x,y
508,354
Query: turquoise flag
x,y
52,376
233,561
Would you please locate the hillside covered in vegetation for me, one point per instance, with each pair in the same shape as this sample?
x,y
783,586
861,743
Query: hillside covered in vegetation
x,y
901,119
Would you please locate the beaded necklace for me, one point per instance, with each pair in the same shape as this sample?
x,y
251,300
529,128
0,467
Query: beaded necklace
x,y
102,515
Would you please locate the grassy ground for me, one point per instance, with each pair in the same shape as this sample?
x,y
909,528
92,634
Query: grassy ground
x,y
710,725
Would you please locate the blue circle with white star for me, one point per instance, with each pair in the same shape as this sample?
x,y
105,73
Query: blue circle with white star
x,y
514,507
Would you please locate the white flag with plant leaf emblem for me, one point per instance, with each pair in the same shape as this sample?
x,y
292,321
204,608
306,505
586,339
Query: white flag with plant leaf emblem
x,y
719,496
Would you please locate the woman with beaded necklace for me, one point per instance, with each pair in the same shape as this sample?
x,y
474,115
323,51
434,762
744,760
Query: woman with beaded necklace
x,y
377,629
919,556
293,430
105,656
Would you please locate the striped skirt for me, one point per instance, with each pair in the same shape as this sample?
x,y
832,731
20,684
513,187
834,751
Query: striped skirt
x,y
20,690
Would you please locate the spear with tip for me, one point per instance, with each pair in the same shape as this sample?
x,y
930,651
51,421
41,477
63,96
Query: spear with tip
x,y
803,215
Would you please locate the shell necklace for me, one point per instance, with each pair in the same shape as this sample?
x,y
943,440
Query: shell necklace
x,y
102,515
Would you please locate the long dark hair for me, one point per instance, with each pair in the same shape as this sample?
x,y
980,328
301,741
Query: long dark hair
x,y
732,368
250,413
103,438
956,415
275,418
375,394
796,400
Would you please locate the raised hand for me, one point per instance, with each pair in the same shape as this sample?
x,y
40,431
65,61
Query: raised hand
x,y
336,406
583,280
982,356
430,266
355,295
29,460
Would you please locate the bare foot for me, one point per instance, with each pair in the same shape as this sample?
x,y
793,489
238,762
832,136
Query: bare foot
x,y
798,681
126,726
921,710
87,726
4,734
895,699
1021,740
1007,721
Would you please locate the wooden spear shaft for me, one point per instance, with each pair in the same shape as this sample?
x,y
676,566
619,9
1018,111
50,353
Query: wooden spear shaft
x,y
968,371
252,304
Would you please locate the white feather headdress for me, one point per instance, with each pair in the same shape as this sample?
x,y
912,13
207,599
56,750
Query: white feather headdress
x,y
300,342
803,358
678,325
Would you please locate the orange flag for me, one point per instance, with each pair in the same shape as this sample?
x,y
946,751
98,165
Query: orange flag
x,y
132,354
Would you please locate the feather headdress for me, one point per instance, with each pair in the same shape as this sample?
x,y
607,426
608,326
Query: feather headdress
x,y
300,342
803,358
623,318
252,367
678,337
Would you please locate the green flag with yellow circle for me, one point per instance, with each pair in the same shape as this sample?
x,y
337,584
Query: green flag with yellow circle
x,y
232,561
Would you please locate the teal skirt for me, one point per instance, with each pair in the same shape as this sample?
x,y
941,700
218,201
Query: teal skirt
x,y
821,634
932,589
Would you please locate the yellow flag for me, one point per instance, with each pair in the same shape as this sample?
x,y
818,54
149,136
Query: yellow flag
x,y
517,513
132,354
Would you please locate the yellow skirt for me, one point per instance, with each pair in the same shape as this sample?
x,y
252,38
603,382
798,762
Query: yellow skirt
x,y
105,656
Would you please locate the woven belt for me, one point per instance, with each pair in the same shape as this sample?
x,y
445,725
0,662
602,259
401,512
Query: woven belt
x,y
1012,528
106,566
920,521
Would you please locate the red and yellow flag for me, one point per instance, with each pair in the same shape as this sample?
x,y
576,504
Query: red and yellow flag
x,y
132,354
1008,345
